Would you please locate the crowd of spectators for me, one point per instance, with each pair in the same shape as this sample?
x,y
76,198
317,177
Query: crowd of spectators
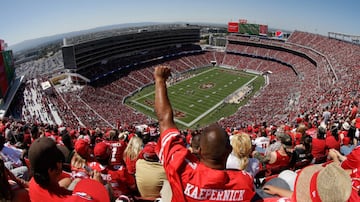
x,y
257,149
306,115
93,154
46,66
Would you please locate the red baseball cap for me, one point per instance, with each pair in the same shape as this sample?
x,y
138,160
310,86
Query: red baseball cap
x,y
149,151
287,128
249,128
89,190
72,133
102,150
81,147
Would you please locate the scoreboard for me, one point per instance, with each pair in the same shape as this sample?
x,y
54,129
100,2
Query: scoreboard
x,y
251,29
246,28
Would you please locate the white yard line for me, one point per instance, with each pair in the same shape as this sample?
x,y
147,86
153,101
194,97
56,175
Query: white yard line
x,y
200,116
215,106
145,106
176,83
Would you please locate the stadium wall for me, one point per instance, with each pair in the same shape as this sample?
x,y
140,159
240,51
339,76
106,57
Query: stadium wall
x,y
312,61
87,54
264,58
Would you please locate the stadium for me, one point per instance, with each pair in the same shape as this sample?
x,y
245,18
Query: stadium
x,y
257,83
301,74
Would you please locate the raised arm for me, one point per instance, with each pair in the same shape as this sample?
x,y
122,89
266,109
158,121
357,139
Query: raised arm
x,y
163,108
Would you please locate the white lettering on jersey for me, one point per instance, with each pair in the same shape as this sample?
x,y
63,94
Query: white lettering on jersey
x,y
164,141
191,164
188,189
214,194
113,155
116,144
106,177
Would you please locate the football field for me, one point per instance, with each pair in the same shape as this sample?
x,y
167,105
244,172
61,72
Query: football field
x,y
194,98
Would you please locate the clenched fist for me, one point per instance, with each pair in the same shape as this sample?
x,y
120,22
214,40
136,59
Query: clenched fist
x,y
162,73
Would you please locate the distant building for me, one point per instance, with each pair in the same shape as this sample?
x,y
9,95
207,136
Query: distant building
x,y
8,85
217,40
7,71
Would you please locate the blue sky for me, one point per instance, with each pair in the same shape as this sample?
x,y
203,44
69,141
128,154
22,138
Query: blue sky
x,y
24,19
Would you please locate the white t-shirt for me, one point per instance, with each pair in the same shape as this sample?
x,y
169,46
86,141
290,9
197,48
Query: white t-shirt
x,y
262,142
233,162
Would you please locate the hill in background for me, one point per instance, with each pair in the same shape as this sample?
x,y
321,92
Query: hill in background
x,y
33,43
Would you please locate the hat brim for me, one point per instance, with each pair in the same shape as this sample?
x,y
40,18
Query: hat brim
x,y
92,188
331,177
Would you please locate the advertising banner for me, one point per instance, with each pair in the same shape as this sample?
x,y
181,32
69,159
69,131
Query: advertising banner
x,y
233,27
279,34
263,29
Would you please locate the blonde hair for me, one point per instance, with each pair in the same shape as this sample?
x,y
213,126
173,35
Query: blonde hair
x,y
77,161
241,144
133,148
301,129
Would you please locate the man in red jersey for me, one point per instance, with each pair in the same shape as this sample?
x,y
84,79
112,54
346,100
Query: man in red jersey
x,y
354,110
46,167
117,148
117,176
192,179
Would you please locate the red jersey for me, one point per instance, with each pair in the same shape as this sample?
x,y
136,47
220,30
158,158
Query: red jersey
x,y
352,160
39,194
2,129
117,151
318,147
296,137
191,180
117,176
332,143
131,165
355,178
354,111
281,161
344,132
312,132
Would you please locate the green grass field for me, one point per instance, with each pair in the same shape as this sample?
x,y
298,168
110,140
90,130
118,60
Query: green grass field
x,y
198,100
